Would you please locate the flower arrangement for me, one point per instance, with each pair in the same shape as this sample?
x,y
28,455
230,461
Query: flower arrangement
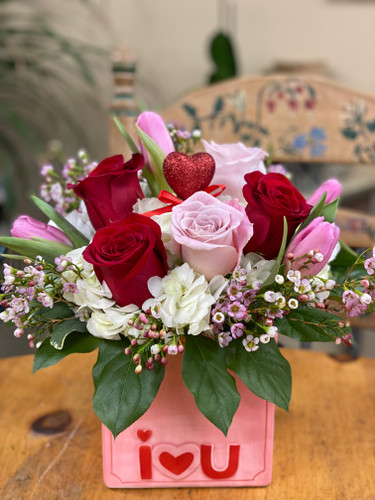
x,y
208,255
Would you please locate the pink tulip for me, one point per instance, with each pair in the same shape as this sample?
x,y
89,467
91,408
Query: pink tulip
x,y
333,189
153,125
318,235
27,227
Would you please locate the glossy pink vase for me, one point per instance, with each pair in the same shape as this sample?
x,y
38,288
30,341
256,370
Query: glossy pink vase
x,y
174,445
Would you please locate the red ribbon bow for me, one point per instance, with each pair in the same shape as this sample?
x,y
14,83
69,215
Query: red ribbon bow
x,y
172,200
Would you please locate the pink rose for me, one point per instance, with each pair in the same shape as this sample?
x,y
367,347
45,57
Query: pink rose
x,y
333,189
318,235
233,162
28,227
210,235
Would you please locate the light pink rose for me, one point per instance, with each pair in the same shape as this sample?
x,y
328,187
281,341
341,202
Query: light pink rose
x,y
233,162
210,234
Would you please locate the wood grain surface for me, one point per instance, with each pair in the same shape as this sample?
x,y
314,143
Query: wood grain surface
x,y
50,438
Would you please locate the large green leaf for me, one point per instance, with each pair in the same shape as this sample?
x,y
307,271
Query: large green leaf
x,y
308,324
121,396
46,355
65,328
265,372
205,374
76,237
60,310
46,248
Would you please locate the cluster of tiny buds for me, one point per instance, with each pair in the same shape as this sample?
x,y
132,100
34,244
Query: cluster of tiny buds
x,y
312,257
152,342
183,140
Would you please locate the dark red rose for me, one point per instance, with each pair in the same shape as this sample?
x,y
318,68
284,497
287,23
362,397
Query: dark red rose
x,y
269,198
125,254
111,189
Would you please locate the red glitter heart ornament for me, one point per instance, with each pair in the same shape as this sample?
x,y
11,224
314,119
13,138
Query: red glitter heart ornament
x,y
188,174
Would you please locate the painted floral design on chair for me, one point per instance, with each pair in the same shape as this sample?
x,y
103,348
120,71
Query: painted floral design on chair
x,y
360,129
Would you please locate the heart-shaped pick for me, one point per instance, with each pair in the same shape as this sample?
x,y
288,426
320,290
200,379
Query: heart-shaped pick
x,y
188,174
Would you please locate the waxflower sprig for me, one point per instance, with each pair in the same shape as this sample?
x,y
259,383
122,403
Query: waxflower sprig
x,y
55,186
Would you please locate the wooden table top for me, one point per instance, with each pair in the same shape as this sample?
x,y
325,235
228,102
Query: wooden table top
x,y
324,447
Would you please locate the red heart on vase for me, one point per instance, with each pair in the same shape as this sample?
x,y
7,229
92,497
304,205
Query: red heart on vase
x,y
188,174
144,435
176,465
176,460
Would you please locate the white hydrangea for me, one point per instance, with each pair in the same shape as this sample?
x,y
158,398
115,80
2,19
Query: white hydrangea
x,y
183,298
257,268
91,293
108,324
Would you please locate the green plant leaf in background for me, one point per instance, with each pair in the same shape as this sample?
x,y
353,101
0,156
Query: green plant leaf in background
x,y
46,355
32,248
205,375
121,396
265,372
223,56
75,236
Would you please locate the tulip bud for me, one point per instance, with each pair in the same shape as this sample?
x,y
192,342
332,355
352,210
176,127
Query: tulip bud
x,y
318,234
27,227
333,189
153,125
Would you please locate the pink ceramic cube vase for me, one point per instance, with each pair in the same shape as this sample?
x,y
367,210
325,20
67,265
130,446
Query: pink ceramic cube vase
x,y
174,445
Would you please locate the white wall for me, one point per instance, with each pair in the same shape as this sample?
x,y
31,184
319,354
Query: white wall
x,y
170,38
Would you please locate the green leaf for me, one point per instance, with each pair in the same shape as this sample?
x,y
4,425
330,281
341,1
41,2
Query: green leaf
x,y
265,372
46,248
46,355
59,311
276,267
329,210
122,397
308,324
132,146
316,211
156,156
76,237
345,258
205,375
65,328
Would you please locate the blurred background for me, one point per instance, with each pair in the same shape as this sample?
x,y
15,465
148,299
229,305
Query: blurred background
x,y
56,82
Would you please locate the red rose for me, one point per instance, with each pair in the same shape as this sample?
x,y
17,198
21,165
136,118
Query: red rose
x,y
125,254
269,198
111,189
